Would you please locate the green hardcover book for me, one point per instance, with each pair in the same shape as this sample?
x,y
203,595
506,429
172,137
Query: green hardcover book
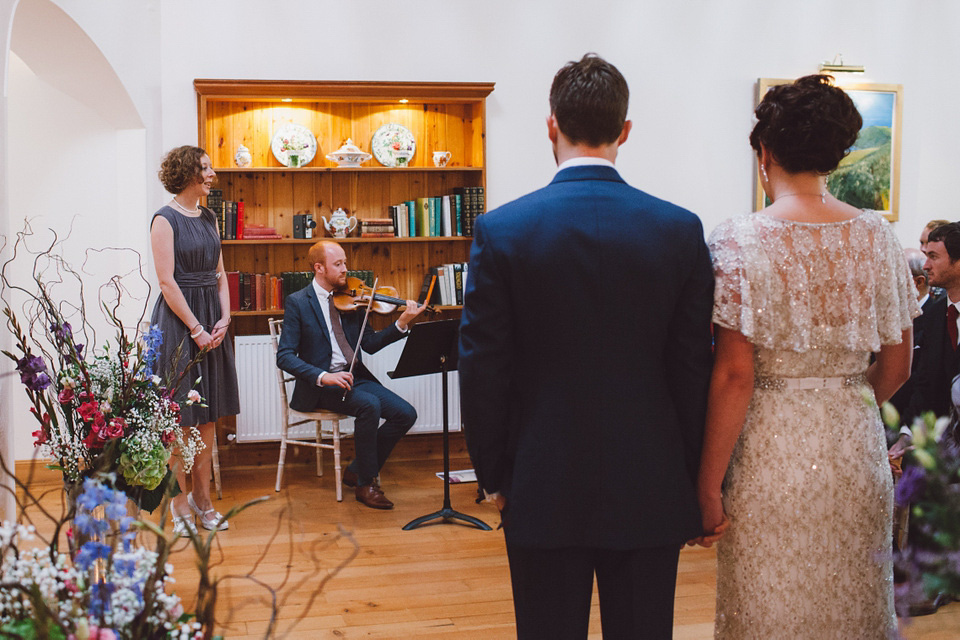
x,y
423,217
436,215
457,214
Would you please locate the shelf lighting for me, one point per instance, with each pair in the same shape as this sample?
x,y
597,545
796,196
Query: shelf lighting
x,y
286,99
404,101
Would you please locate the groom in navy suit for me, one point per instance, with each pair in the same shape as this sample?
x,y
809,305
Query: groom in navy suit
x,y
317,345
585,356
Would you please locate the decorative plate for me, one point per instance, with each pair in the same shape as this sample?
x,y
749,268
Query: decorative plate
x,y
393,145
291,138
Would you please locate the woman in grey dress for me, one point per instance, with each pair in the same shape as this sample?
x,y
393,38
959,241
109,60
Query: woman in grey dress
x,y
193,312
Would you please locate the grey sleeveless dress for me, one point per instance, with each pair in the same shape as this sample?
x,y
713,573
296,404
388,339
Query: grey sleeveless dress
x,y
196,248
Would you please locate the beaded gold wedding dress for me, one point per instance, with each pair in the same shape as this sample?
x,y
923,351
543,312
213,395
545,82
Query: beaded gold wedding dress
x,y
809,489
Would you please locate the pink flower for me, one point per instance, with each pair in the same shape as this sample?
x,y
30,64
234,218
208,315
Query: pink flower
x,y
174,407
193,396
96,633
115,428
88,410
66,396
168,437
41,437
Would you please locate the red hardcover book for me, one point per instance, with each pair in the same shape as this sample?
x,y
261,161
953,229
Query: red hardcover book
x,y
233,281
240,220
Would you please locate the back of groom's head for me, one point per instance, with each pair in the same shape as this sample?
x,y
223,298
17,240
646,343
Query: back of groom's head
x,y
589,100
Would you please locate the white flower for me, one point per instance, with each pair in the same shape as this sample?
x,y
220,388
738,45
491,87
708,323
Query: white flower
x,y
193,396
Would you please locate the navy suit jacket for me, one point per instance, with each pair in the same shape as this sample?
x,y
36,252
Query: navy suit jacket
x,y
305,349
585,357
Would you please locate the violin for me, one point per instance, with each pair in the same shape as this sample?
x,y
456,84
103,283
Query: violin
x,y
357,294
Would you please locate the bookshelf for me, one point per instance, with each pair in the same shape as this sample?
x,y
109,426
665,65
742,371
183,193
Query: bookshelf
x,y
443,116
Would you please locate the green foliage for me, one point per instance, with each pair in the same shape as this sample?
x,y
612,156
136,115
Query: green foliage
x,y
866,183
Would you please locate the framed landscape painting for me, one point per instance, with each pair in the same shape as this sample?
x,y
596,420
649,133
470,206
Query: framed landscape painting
x,y
869,176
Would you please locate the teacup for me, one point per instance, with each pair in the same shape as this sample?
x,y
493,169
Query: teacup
x,y
441,158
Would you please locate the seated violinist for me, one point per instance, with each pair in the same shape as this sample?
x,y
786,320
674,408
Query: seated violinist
x,y
317,346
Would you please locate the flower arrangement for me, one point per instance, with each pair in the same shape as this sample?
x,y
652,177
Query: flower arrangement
x,y
98,409
929,487
109,589
107,412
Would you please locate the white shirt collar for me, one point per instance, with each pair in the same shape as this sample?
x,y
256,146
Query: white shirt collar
x,y
924,299
585,161
322,293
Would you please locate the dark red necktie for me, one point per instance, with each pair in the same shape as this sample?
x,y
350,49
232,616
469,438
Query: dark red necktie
x,y
952,314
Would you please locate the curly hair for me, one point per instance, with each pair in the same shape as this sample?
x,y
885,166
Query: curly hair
x,y
808,125
180,168
589,99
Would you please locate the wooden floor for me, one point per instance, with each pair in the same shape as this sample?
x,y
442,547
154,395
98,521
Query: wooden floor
x,y
341,570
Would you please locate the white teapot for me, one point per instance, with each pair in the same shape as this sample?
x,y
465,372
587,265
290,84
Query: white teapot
x,y
339,224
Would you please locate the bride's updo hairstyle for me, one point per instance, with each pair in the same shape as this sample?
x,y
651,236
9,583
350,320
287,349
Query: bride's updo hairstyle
x,y
807,125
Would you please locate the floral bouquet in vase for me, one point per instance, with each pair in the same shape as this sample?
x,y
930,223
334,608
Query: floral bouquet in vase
x,y
100,409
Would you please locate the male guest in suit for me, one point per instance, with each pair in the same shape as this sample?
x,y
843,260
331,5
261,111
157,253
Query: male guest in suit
x,y
317,345
584,367
939,358
915,260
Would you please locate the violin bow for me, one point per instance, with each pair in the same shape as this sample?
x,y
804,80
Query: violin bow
x,y
360,337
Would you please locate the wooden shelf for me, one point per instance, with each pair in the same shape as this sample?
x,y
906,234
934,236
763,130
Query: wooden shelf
x,y
331,169
441,116
310,241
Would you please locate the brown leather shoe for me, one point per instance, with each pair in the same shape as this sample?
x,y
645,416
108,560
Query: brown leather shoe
x,y
371,496
349,478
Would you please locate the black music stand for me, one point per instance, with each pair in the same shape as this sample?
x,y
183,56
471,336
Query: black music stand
x,y
432,348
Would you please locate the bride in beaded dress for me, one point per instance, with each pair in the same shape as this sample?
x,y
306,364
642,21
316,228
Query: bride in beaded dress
x,y
794,474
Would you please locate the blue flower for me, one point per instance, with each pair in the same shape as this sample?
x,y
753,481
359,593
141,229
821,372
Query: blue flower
x,y
911,486
125,566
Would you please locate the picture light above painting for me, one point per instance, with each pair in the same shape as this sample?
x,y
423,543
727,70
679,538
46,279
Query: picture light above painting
x,y
869,176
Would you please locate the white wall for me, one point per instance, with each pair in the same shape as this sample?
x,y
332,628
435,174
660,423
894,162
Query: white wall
x,y
691,66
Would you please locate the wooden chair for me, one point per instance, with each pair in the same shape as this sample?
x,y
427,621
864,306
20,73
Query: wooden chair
x,y
293,418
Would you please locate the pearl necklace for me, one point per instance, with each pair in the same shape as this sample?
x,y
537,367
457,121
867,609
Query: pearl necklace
x,y
822,195
184,209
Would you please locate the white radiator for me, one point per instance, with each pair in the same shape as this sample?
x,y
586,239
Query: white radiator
x,y
259,418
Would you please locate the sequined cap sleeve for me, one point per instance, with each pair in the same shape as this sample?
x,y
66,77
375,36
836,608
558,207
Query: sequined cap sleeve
x,y
731,299
796,286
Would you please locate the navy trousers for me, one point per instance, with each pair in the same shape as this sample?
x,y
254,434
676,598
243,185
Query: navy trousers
x,y
369,402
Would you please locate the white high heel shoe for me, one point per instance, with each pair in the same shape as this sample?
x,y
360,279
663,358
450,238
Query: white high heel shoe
x,y
210,519
183,524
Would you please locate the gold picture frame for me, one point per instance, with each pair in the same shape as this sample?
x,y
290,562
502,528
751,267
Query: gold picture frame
x,y
876,164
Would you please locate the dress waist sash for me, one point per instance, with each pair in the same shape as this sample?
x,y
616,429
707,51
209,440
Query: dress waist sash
x,y
797,384
197,278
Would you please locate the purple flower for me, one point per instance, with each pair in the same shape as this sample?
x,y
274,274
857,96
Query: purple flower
x,y
33,372
911,486
62,332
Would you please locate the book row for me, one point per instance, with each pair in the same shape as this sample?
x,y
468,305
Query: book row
x,y
435,216
448,282
266,292
438,216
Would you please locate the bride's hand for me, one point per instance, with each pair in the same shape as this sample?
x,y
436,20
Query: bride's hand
x,y
714,520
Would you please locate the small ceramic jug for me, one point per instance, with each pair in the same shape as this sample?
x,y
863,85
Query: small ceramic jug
x,y
339,224
243,157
